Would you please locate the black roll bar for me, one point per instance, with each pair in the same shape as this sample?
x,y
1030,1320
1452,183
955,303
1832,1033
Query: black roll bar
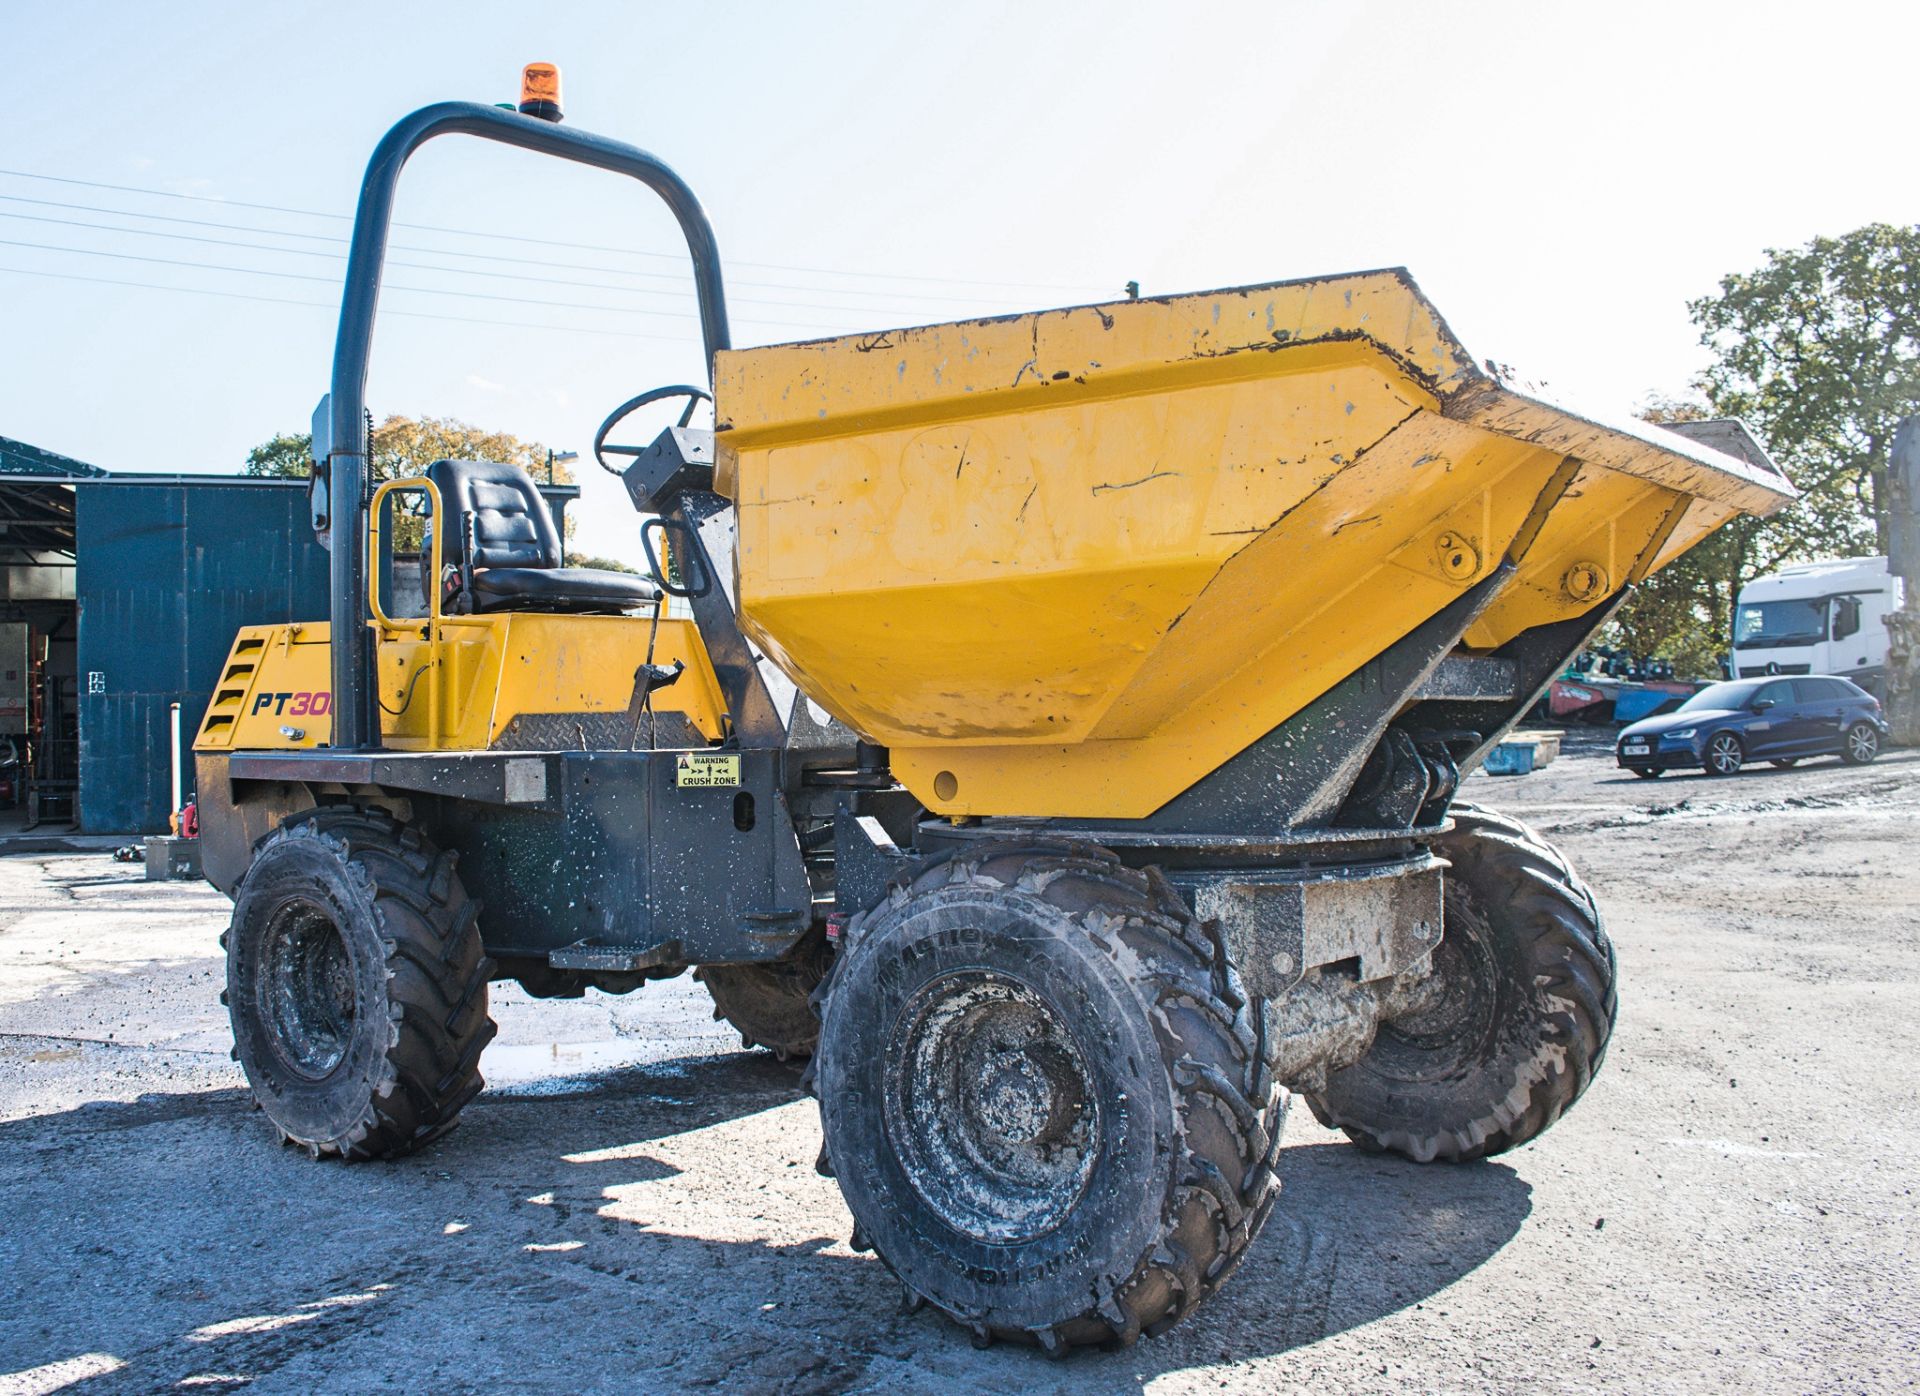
x,y
341,497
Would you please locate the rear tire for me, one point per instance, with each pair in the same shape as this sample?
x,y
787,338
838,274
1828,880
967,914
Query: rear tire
x,y
1784,763
1044,1091
1860,745
771,1004
356,985
1520,1020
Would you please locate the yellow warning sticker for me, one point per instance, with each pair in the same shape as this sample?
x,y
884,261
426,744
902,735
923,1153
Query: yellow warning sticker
x,y
698,769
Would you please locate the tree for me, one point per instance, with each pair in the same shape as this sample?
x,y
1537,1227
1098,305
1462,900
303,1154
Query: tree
x,y
284,457
1684,612
602,564
406,446
1818,351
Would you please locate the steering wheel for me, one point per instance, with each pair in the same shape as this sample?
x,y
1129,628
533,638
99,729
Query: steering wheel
x,y
694,396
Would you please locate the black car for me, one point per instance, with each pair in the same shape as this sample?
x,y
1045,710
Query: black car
x,y
1726,725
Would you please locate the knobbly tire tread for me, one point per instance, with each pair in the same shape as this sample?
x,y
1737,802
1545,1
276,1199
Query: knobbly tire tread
x,y
1556,927
771,1005
436,974
1231,1110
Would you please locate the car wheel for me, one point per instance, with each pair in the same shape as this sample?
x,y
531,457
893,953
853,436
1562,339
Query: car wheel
x,y
1786,763
1647,772
1725,755
1861,745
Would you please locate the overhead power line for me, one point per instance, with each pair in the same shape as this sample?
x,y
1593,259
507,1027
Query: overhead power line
x,y
326,306
541,242
681,295
175,218
678,278
416,290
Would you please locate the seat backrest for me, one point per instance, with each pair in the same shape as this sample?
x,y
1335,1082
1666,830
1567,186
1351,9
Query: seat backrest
x,y
512,526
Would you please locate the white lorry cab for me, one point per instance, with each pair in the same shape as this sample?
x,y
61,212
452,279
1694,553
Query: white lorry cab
x,y
1817,618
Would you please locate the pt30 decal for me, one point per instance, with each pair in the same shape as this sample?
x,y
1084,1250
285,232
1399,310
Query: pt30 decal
x,y
293,704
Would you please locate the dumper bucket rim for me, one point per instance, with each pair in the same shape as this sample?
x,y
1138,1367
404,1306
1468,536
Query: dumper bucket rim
x,y
788,397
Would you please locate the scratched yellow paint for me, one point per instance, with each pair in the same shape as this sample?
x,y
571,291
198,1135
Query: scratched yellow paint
x,y
462,690
266,661
1068,563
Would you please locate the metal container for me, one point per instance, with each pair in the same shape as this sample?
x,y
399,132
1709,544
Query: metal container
x,y
1068,563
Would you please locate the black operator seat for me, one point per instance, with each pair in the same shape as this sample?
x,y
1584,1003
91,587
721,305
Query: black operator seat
x,y
502,552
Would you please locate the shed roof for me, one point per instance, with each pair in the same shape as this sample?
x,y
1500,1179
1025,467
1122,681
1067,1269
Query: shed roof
x,y
18,458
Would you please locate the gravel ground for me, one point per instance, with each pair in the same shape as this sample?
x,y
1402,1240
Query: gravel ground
x,y
631,1205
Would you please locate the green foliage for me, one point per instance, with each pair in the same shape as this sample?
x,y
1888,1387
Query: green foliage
x,y
1677,615
602,564
1818,351
406,446
284,457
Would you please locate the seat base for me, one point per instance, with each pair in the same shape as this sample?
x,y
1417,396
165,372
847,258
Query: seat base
x,y
567,590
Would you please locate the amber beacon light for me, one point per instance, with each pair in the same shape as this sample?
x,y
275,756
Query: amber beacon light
x,y
540,91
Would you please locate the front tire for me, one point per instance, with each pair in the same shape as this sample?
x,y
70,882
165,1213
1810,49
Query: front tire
x,y
356,985
1647,772
1860,745
1516,1025
1725,754
1043,1093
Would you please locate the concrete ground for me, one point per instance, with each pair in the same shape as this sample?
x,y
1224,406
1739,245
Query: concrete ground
x,y
631,1205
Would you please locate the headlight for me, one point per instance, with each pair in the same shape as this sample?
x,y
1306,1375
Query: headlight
x,y
1679,736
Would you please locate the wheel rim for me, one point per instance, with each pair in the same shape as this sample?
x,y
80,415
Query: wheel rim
x,y
1863,742
1726,755
306,989
1460,1012
990,1107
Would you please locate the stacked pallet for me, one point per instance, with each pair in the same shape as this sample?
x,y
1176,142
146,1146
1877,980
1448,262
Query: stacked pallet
x,y
1523,752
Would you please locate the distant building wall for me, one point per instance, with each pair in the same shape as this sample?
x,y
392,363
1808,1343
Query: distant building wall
x,y
166,572
167,569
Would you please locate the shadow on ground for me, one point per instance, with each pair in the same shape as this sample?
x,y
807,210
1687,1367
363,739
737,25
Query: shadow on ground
x,y
170,1236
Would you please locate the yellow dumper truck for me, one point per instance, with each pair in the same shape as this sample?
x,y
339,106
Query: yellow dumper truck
x,y
1049,726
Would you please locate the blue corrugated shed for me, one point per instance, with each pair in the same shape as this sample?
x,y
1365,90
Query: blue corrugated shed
x,y
166,571
18,458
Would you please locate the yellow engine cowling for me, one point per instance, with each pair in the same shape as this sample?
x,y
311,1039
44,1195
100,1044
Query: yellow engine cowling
x,y
467,687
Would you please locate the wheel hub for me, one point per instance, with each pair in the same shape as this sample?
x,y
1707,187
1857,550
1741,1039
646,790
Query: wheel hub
x,y
307,989
1030,1097
990,1107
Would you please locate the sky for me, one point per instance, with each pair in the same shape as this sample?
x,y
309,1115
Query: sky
x,y
1561,179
